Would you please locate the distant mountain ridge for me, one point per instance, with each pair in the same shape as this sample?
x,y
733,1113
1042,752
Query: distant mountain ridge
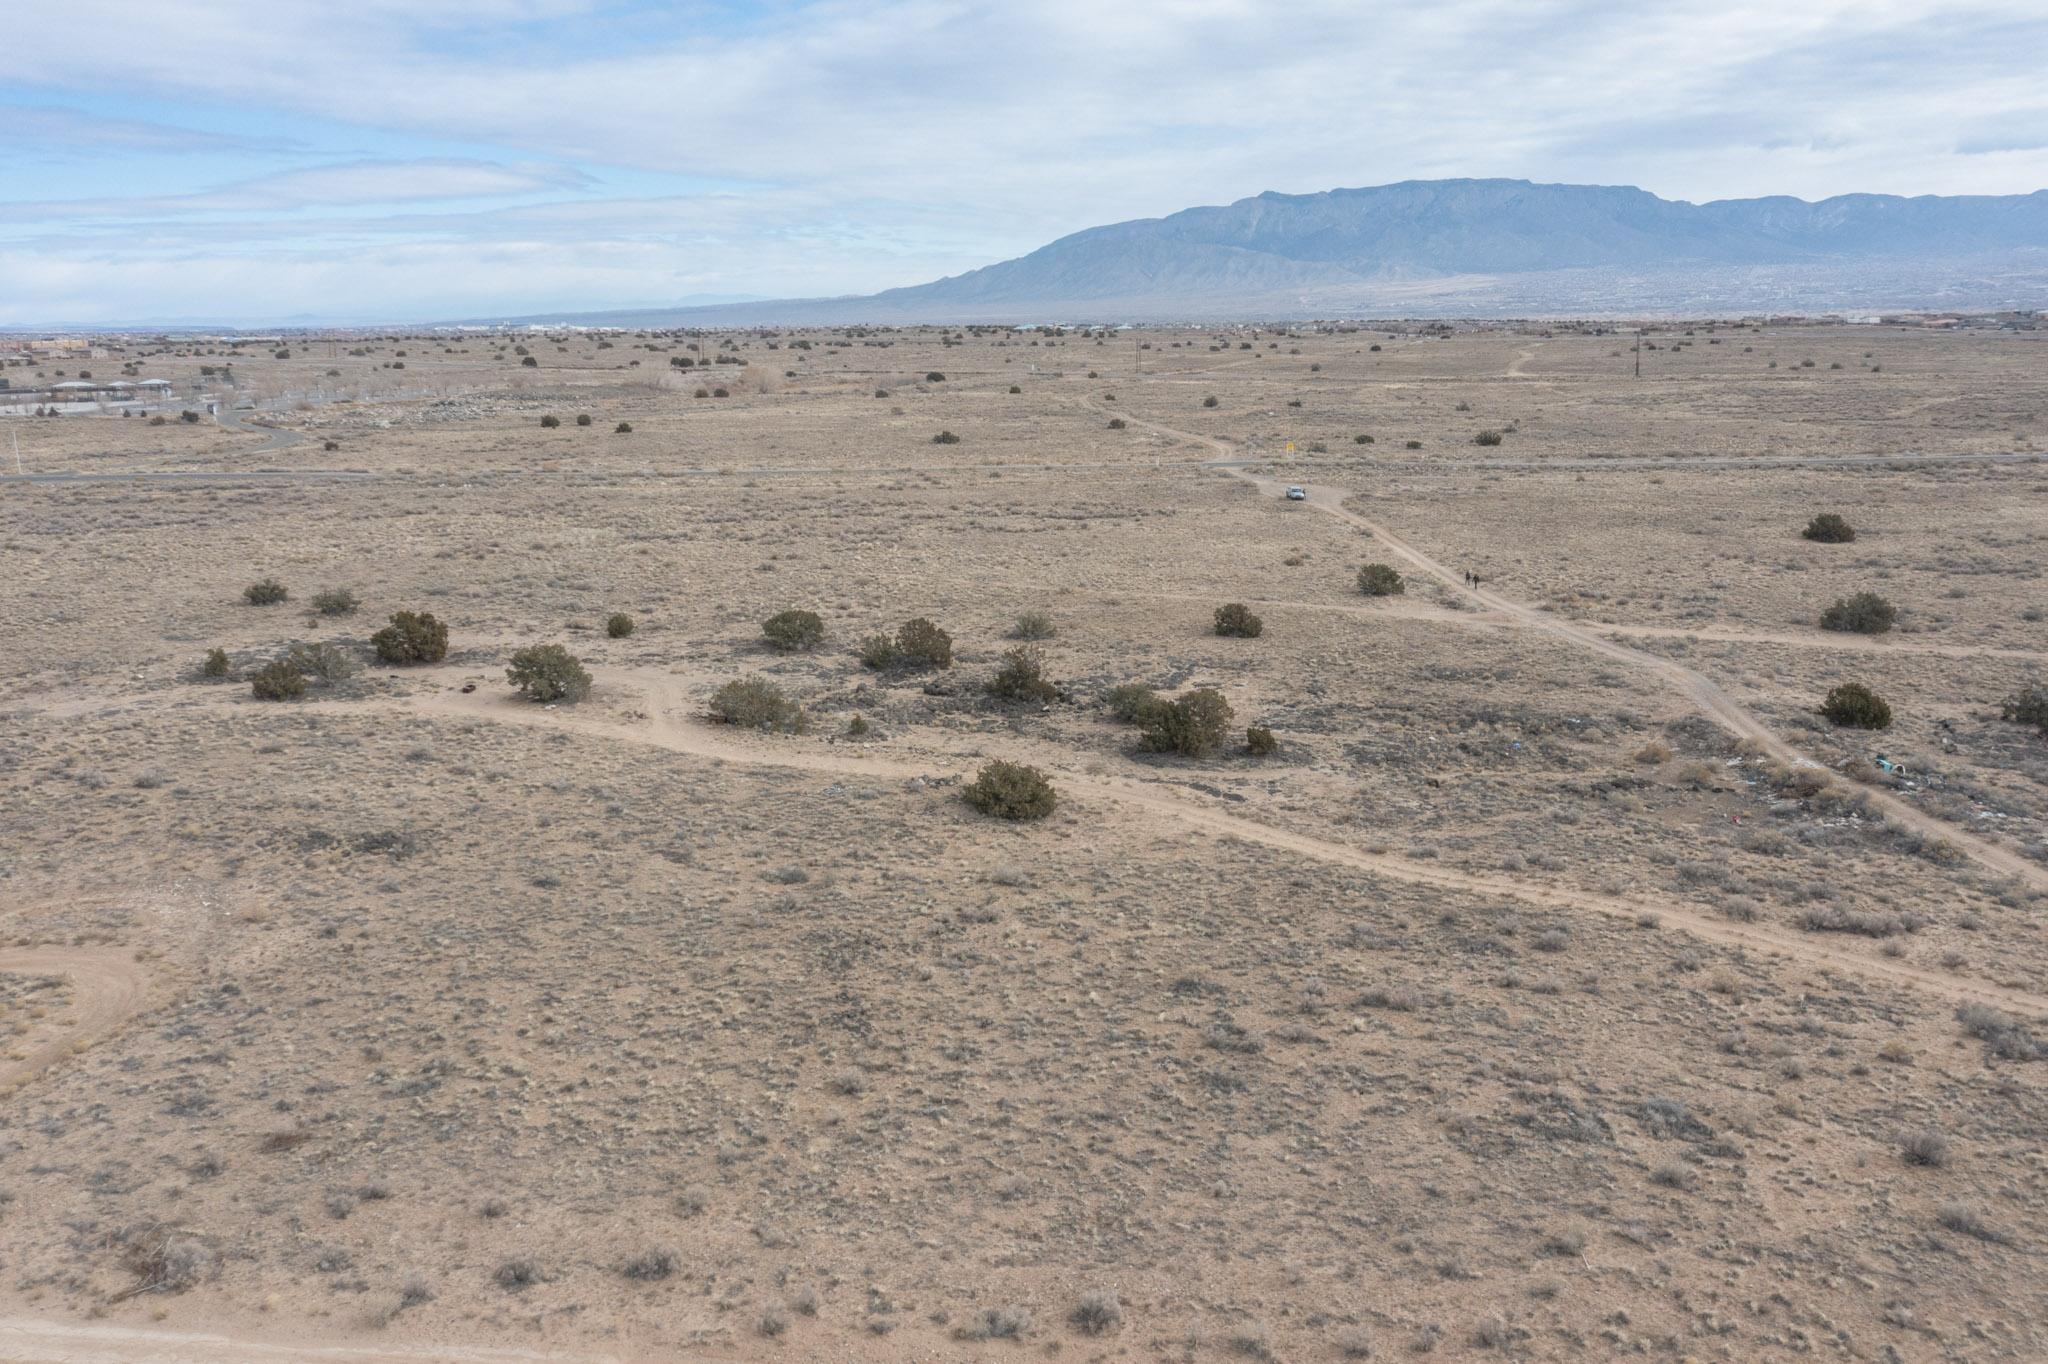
x,y
1480,247
1422,229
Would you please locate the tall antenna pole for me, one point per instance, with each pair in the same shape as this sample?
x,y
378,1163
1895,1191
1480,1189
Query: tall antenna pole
x,y
1639,352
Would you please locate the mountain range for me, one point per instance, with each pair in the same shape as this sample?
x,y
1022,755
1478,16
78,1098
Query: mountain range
x,y
1476,248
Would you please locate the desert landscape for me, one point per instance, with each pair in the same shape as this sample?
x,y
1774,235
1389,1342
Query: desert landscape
x,y
1486,949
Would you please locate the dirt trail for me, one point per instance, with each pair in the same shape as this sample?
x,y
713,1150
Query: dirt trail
x,y
107,989
1716,704
1708,698
669,726
24,1341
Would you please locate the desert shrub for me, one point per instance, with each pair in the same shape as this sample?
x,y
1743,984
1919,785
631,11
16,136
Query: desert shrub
x,y
1097,1314
757,703
1015,389
215,664
1010,791
336,601
1131,702
1487,438
2004,1036
530,363
551,421
1193,725
278,680
1259,742
792,630
1033,625
411,637
1380,580
1116,423
1829,529
268,592
1021,677
921,644
1865,613
1925,1147
322,661
547,673
1966,1220
1868,923
1855,706
2027,706
165,1260
857,727
945,438
1209,401
878,652
651,1266
618,625
623,429
1236,621
583,419
935,378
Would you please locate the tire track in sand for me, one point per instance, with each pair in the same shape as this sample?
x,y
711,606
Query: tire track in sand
x,y
667,727
1704,695
107,985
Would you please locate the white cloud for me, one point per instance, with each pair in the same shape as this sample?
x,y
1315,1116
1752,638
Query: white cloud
x,y
970,129
360,182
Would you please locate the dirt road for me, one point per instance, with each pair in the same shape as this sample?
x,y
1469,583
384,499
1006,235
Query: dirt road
x,y
107,988
670,725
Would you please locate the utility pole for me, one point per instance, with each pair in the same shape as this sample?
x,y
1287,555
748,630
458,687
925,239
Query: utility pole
x,y
17,449
1639,352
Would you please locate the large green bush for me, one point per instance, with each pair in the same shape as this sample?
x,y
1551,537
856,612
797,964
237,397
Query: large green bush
x,y
326,662
1380,580
1855,706
278,680
1011,791
878,652
1865,613
1021,677
789,631
1829,529
1259,741
215,663
336,601
1194,725
757,703
546,673
2027,706
1237,621
1131,702
618,625
921,644
411,637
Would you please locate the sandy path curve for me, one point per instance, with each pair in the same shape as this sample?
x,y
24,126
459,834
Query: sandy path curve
x,y
107,985
670,725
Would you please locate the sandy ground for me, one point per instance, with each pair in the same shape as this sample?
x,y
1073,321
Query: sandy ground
x,y
1562,987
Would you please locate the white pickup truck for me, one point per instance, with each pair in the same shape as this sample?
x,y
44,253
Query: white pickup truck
x,y
1296,493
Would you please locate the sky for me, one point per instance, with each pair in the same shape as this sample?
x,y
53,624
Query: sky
x,y
415,160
